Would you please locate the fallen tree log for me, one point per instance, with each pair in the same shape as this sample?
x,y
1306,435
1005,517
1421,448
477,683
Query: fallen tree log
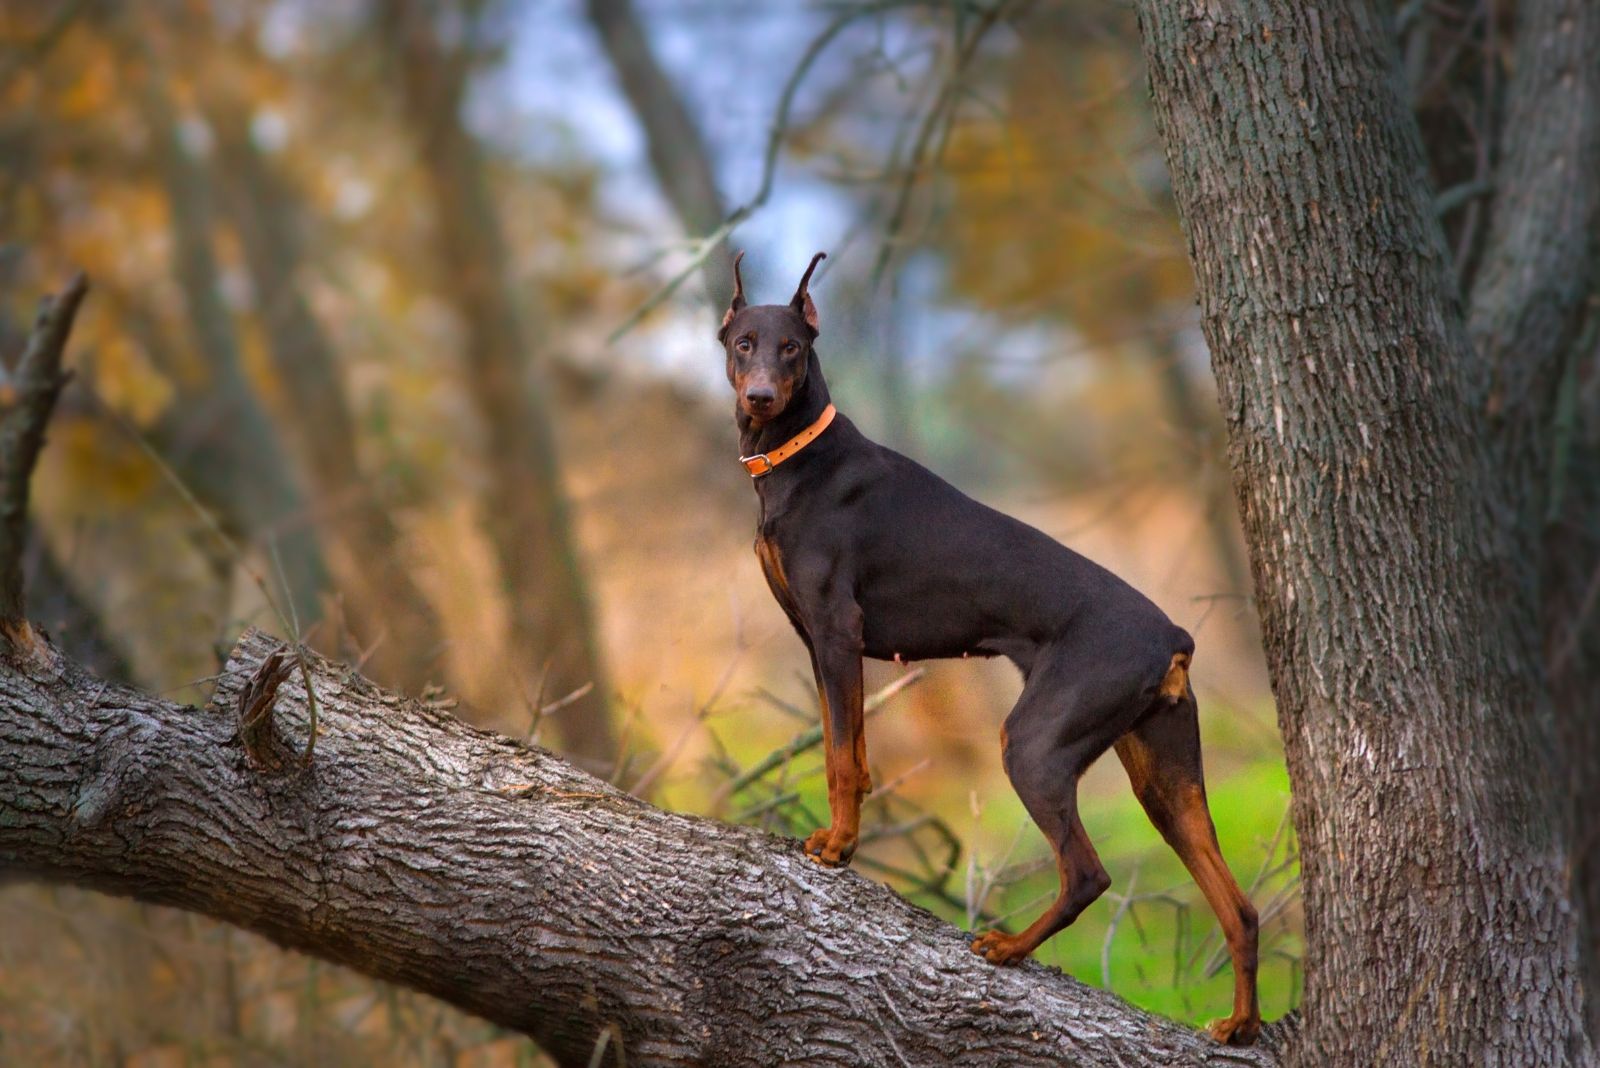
x,y
497,877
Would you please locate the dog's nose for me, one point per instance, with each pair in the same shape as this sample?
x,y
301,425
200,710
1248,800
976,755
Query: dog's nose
x,y
760,397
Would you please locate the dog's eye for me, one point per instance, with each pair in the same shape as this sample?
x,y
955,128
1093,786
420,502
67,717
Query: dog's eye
x,y
743,345
790,348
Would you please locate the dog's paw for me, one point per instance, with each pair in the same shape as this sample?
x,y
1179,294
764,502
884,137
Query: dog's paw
x,y
1236,1030
824,848
997,947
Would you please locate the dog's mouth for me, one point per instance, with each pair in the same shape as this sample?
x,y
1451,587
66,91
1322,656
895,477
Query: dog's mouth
x,y
759,414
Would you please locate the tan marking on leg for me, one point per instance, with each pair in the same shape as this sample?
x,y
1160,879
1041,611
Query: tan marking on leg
x,y
863,776
818,839
1172,795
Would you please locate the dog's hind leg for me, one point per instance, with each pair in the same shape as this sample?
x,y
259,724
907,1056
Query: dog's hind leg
x,y
1162,758
1044,770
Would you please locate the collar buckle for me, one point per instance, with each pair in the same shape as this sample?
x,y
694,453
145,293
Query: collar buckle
x,y
762,463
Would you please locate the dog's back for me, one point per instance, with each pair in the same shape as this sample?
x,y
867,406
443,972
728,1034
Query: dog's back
x,y
938,574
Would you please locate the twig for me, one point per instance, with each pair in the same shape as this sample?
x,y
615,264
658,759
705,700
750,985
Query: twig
x,y
562,702
1111,928
256,731
1461,193
809,739
781,705
764,807
623,742
776,131
883,793
611,1032
942,111
978,891
311,704
653,773
27,397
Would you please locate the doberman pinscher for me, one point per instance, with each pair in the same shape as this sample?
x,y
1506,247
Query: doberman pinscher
x,y
871,554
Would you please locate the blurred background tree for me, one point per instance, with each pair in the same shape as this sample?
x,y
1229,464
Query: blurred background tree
x,y
350,371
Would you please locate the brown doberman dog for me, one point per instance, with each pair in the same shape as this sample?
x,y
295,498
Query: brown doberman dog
x,y
870,554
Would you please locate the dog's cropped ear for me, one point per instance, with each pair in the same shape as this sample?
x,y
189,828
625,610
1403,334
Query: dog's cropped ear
x,y
802,302
737,302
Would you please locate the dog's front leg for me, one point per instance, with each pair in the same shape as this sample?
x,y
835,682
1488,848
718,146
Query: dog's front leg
x,y
836,657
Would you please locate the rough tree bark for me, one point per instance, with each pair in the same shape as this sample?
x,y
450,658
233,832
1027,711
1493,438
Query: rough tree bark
x,y
503,880
1534,318
1529,293
1396,614
526,516
1572,636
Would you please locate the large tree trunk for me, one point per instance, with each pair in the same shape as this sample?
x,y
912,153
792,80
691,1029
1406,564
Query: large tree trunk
x,y
499,878
552,634
1397,621
1532,299
1572,635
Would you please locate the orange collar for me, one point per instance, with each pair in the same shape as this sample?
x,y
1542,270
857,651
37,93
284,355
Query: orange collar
x,y
763,462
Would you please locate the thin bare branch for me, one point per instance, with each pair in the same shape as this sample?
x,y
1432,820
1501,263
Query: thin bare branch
x,y
805,740
27,397
776,133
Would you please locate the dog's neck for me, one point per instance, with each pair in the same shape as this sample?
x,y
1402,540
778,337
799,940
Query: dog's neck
x,y
802,410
